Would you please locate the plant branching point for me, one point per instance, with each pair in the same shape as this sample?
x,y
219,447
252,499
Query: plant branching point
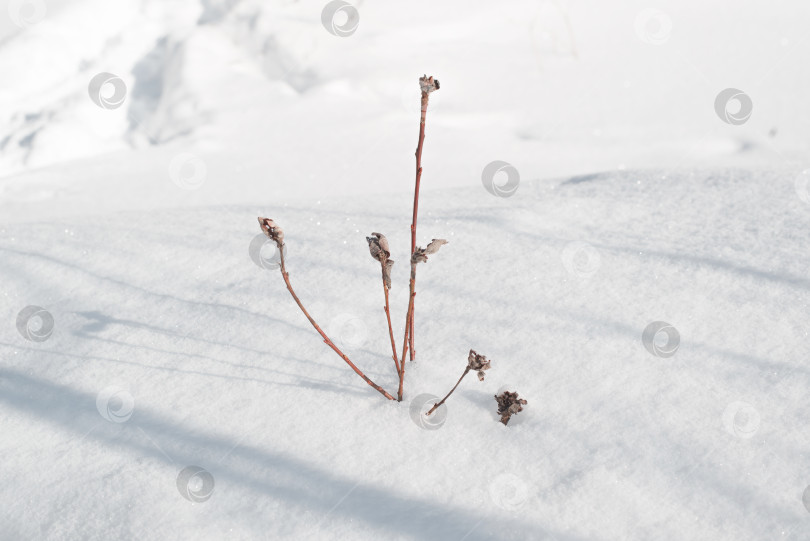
x,y
419,256
276,234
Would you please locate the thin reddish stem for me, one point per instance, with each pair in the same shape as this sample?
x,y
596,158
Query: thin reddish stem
x,y
437,404
390,328
323,334
408,319
425,99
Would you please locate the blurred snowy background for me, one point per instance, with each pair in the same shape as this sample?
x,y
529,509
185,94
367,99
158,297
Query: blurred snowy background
x,y
255,99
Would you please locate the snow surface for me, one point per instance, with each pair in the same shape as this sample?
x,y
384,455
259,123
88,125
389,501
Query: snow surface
x,y
225,372
172,348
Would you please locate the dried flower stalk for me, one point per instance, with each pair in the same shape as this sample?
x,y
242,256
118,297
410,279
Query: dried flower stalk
x,y
378,247
426,85
474,362
276,234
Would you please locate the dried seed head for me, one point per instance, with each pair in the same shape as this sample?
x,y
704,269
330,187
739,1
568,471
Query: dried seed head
x,y
273,231
509,404
428,84
479,363
386,270
378,247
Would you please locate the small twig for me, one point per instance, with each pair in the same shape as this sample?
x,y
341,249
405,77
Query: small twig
x,y
436,405
380,251
474,362
275,233
390,328
427,85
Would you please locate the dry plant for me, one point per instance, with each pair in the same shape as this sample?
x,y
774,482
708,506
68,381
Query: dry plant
x,y
508,405
474,362
381,252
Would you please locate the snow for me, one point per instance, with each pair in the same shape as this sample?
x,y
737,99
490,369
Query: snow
x,y
181,393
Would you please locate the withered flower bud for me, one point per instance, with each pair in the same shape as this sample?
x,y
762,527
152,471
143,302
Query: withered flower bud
x,y
434,246
509,404
378,247
479,363
273,231
428,84
420,254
